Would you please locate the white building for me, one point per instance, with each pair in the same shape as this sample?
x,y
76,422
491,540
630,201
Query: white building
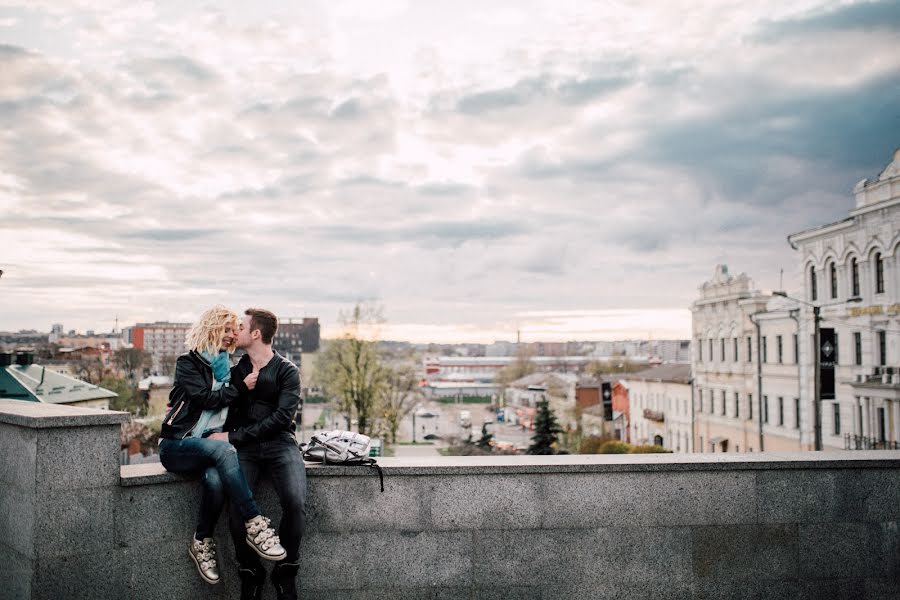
x,y
660,407
856,258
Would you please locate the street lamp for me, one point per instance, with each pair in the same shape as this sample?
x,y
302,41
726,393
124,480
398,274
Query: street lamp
x,y
817,319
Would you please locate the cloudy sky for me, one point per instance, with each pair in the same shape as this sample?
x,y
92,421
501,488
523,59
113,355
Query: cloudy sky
x,y
571,169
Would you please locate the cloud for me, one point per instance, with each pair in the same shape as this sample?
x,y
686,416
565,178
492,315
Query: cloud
x,y
865,16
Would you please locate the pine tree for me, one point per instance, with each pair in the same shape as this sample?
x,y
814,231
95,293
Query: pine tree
x,y
485,441
545,430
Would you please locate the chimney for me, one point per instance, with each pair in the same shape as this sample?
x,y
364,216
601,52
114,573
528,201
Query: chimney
x,y
24,359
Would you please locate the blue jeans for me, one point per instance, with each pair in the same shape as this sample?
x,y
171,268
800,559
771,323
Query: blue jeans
x,y
222,477
281,460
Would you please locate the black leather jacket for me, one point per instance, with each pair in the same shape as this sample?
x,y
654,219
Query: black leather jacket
x,y
192,394
267,411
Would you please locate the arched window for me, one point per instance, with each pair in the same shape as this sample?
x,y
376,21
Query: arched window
x,y
879,274
813,290
854,277
832,273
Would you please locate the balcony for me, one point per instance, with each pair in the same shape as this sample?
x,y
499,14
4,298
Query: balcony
x,y
861,442
74,524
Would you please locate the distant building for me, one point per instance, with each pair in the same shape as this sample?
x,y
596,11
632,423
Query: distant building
x,y
21,379
292,339
158,339
660,406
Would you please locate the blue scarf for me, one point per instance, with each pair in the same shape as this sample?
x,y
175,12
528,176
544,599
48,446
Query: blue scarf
x,y
213,420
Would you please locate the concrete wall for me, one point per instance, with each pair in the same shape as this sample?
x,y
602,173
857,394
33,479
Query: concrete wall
x,y
636,526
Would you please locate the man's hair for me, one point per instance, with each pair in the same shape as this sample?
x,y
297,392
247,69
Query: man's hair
x,y
265,321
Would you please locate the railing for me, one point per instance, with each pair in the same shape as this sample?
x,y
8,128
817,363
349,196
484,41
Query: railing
x,y
861,442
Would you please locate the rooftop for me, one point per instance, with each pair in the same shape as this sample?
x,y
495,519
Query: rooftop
x,y
36,383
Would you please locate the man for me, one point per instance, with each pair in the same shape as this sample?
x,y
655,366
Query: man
x,y
261,426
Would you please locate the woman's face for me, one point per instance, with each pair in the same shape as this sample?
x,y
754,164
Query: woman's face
x,y
230,332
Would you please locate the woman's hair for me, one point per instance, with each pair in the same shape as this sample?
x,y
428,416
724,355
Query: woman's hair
x,y
208,332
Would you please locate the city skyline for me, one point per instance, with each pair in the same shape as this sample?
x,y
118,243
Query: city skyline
x,y
563,170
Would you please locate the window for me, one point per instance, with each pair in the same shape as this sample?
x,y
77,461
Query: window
x,y
836,419
749,407
723,403
857,344
737,403
813,290
837,349
854,277
766,409
749,349
832,272
765,349
796,413
780,346
796,350
722,349
699,350
780,411
735,349
882,348
879,274
710,350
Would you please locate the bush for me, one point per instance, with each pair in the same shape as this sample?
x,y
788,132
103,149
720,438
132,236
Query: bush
x,y
614,447
650,449
593,443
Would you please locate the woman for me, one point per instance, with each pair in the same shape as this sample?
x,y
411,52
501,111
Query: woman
x,y
198,407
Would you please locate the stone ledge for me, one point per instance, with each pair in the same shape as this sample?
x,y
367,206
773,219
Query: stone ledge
x,y
39,415
148,474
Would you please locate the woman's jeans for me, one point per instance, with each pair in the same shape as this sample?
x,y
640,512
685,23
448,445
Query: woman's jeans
x,y
222,477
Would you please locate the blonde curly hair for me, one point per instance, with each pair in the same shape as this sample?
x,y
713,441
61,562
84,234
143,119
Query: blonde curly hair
x,y
208,332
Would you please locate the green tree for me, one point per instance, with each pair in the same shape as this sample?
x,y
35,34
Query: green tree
x,y
546,430
350,368
129,398
399,396
131,361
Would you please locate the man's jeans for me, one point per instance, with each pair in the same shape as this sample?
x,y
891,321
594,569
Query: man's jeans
x,y
222,476
281,460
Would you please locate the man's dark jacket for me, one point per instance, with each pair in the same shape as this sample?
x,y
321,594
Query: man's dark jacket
x,y
266,412
192,393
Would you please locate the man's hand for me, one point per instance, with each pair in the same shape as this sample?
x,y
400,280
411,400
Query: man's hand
x,y
219,436
250,380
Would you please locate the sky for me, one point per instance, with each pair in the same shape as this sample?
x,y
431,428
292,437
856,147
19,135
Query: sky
x,y
566,169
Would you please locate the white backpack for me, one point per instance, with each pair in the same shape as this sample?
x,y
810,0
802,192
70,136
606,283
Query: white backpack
x,y
341,448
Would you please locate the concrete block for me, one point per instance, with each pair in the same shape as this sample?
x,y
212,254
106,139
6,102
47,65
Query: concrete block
x,y
16,574
399,593
80,457
757,589
586,557
745,552
846,550
165,568
160,512
94,576
485,502
74,522
356,504
18,447
652,499
882,589
878,493
17,520
425,559
658,590
832,589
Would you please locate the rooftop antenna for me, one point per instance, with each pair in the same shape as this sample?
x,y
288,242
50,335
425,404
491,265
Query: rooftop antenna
x,y
781,279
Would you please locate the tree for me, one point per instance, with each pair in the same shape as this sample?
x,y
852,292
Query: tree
x,y
546,430
484,442
399,396
129,398
350,367
517,369
131,361
167,365
89,369
598,368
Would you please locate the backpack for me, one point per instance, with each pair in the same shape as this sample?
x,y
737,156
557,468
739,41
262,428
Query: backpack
x,y
341,448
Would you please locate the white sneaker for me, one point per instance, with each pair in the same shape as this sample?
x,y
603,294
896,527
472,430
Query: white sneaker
x,y
204,555
262,538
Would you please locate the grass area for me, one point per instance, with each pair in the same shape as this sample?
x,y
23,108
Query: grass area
x,y
465,400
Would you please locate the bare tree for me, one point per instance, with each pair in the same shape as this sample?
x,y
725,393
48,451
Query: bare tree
x,y
167,365
89,369
399,396
518,368
350,367
131,361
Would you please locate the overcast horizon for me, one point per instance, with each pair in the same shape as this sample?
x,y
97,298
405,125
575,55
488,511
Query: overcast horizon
x,y
571,170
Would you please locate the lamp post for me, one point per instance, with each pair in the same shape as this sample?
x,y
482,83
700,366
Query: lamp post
x,y
817,360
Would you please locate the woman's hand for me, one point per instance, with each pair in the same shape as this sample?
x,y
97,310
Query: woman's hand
x,y
220,435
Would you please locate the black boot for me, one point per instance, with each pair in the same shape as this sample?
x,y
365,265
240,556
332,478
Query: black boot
x,y
252,580
284,578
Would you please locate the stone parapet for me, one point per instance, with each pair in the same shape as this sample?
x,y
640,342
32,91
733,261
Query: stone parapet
x,y
808,525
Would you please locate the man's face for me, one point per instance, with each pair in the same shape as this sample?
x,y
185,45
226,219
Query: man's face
x,y
244,339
